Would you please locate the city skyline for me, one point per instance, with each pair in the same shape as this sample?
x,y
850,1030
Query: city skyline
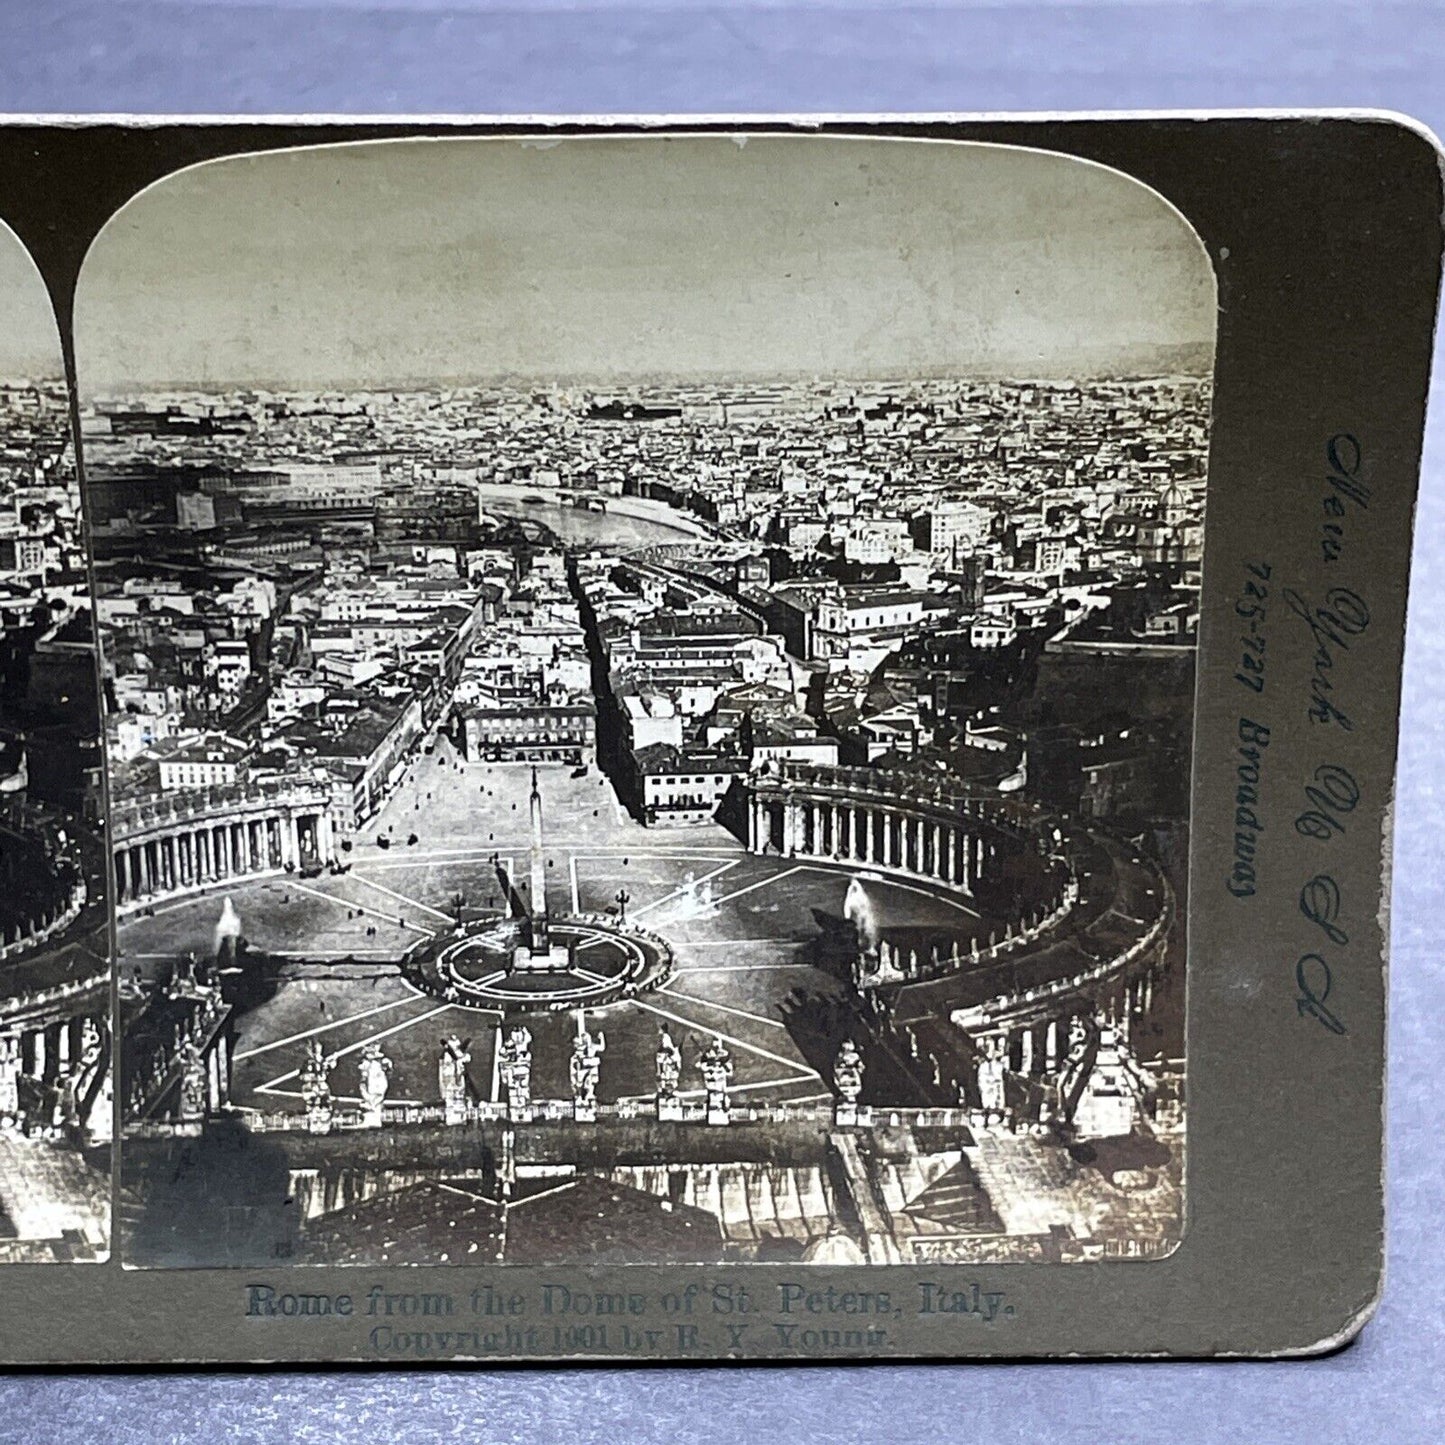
x,y
1197,369
380,267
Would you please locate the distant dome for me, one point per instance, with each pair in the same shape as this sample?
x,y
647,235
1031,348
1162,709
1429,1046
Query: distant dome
x,y
1173,503
835,1247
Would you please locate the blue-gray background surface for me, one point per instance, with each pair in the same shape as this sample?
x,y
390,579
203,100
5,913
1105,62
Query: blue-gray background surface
x,y
549,56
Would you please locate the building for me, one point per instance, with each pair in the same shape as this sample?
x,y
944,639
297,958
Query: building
x,y
987,633
786,736
531,733
952,528
228,664
683,785
204,760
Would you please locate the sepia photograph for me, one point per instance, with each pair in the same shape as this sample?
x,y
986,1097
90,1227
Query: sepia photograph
x,y
56,1100
648,690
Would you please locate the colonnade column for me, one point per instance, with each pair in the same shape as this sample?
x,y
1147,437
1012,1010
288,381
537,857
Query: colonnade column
x,y
759,827
207,853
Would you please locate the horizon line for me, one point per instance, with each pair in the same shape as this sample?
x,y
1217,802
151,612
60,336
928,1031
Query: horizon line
x,y
602,384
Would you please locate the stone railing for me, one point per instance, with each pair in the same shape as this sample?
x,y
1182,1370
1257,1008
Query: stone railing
x,y
998,946
982,1016
25,941
152,1076
61,995
941,795
557,1111
137,817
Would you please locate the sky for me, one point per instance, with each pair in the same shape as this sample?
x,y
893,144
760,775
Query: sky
x,y
608,260
29,341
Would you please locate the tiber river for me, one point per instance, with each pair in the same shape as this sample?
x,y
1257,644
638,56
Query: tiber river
x,y
627,522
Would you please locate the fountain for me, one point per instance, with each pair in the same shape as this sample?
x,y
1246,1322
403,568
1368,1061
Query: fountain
x,y
693,900
877,962
228,934
858,909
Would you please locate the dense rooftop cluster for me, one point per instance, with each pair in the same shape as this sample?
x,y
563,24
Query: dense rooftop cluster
x,y
884,570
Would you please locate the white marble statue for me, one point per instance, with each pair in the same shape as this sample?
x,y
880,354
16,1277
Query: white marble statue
x,y
584,1070
516,1070
452,1078
375,1070
716,1068
316,1087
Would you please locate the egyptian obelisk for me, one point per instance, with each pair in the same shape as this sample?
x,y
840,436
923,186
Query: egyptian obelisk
x,y
539,954
539,875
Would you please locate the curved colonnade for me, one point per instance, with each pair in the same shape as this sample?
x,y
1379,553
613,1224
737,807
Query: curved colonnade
x,y
169,846
55,1009
933,830
42,884
896,822
1085,923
